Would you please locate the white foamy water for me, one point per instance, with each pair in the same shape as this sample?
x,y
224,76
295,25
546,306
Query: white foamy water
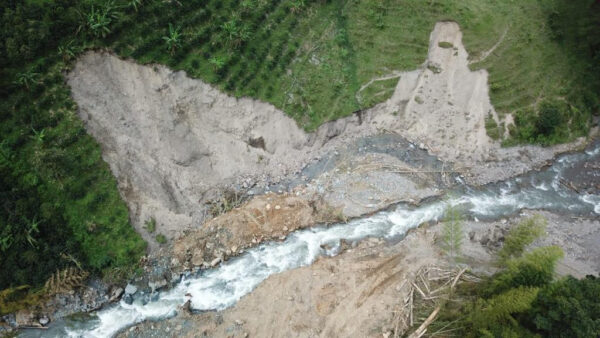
x,y
222,287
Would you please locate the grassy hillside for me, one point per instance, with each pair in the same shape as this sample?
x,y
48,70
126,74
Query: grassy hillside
x,y
308,58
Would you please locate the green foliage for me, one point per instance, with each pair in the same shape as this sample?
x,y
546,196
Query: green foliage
x,y
68,50
494,130
445,44
100,18
520,236
452,232
173,40
27,78
535,268
217,62
151,225
523,299
135,4
495,317
567,308
16,298
58,197
309,58
161,239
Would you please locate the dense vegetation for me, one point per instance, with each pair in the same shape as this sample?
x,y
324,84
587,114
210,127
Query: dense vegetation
x,y
524,299
59,201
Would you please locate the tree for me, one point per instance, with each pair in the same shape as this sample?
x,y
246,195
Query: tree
x,y
568,308
452,232
173,40
520,236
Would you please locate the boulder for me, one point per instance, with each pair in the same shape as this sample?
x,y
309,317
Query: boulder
x,y
130,289
44,320
115,294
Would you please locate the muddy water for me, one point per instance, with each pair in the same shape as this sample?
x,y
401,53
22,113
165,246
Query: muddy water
x,y
222,287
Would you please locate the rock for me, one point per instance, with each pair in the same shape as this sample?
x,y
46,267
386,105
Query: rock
x,y
277,207
175,278
239,322
44,320
215,261
285,228
130,289
268,207
234,249
197,258
115,294
128,299
154,296
187,306
158,284
25,318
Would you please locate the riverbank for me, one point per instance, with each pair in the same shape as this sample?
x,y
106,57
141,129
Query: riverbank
x,y
360,291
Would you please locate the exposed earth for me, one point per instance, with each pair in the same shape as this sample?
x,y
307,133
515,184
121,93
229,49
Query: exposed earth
x,y
175,143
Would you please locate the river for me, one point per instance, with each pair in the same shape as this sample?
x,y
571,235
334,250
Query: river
x,y
222,287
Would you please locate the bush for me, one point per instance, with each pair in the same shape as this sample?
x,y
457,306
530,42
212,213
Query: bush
x,y
568,308
535,269
550,116
161,239
151,225
521,236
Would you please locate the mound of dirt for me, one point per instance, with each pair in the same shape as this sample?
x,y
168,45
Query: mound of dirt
x,y
264,218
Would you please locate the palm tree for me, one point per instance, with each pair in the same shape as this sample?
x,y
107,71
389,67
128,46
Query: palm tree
x,y
173,40
235,34
68,50
217,62
99,21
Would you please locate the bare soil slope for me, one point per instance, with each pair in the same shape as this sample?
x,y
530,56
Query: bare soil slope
x,y
174,143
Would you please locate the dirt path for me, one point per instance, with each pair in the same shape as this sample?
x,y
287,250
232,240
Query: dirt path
x,y
487,53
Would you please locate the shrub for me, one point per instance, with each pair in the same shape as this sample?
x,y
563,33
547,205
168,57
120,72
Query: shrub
x,y
151,225
568,308
495,316
445,44
161,239
535,268
521,236
549,117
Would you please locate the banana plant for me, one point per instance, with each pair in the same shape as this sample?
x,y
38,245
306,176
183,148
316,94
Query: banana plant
x,y
173,40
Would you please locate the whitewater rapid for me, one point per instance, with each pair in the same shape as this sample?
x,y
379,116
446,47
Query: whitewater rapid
x,y
222,287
